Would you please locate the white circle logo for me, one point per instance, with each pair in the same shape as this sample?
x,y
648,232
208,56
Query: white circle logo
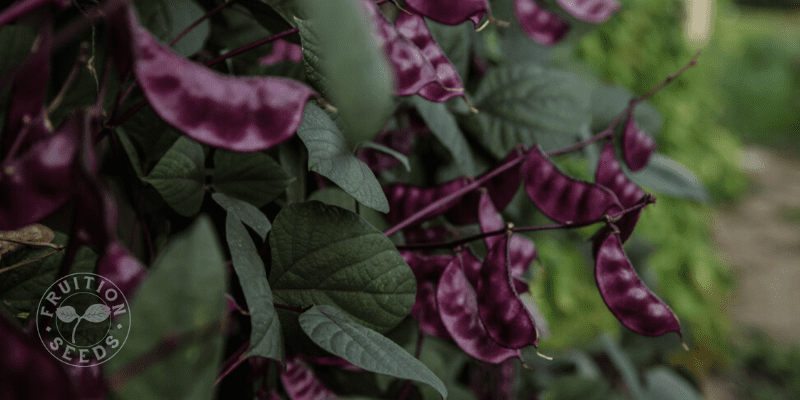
x,y
83,319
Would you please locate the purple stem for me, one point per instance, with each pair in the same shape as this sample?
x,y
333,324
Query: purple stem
x,y
233,361
195,23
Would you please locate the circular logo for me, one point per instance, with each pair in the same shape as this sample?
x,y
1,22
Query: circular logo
x,y
83,319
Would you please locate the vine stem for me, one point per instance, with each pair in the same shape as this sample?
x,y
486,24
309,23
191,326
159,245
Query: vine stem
x,y
420,215
233,361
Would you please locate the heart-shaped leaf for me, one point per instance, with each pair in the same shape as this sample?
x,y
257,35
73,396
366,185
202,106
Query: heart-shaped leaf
x,y
179,176
363,347
252,177
327,255
244,212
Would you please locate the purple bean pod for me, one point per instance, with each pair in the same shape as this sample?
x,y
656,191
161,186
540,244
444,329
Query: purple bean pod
x,y
35,184
450,12
562,198
610,175
637,146
24,7
634,305
405,199
542,26
521,249
447,84
458,308
27,97
300,383
427,271
121,268
241,114
501,188
504,315
594,11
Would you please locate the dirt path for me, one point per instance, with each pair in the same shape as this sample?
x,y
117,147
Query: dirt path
x,y
760,239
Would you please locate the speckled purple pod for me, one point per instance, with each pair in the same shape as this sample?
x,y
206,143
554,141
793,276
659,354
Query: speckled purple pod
x,y
427,271
505,317
541,25
521,249
405,199
637,146
594,11
447,84
300,383
609,174
634,305
562,198
232,113
450,12
458,307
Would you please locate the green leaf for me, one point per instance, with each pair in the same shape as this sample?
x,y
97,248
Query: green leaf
x,y
329,156
293,158
624,366
363,347
337,197
179,176
664,384
265,336
312,64
360,81
288,9
327,255
253,177
525,103
245,212
151,136
445,128
668,176
392,152
185,296
165,19
130,150
21,288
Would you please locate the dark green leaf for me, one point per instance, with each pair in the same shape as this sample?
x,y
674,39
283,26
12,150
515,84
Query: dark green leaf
x,y
293,158
444,127
289,9
151,136
365,348
265,336
327,255
179,176
312,63
253,177
337,197
21,288
165,19
184,295
394,153
130,150
245,212
667,176
329,155
362,90
664,384
525,103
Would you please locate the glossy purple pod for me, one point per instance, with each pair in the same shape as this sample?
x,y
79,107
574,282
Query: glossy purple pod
x,y
450,12
458,308
472,266
637,146
562,198
300,383
521,249
542,26
594,11
405,199
121,268
610,175
634,305
502,312
28,371
282,51
37,183
448,84
427,270
238,114
27,97
501,188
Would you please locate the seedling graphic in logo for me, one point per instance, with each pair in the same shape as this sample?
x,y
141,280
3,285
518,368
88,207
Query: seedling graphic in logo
x,y
83,319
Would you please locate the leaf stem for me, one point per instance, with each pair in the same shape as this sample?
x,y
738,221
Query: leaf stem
x,y
233,361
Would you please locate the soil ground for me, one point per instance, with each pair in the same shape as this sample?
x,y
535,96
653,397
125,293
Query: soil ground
x,y
759,237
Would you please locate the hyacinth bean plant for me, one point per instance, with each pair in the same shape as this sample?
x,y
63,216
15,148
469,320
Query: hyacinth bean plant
x,y
370,147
